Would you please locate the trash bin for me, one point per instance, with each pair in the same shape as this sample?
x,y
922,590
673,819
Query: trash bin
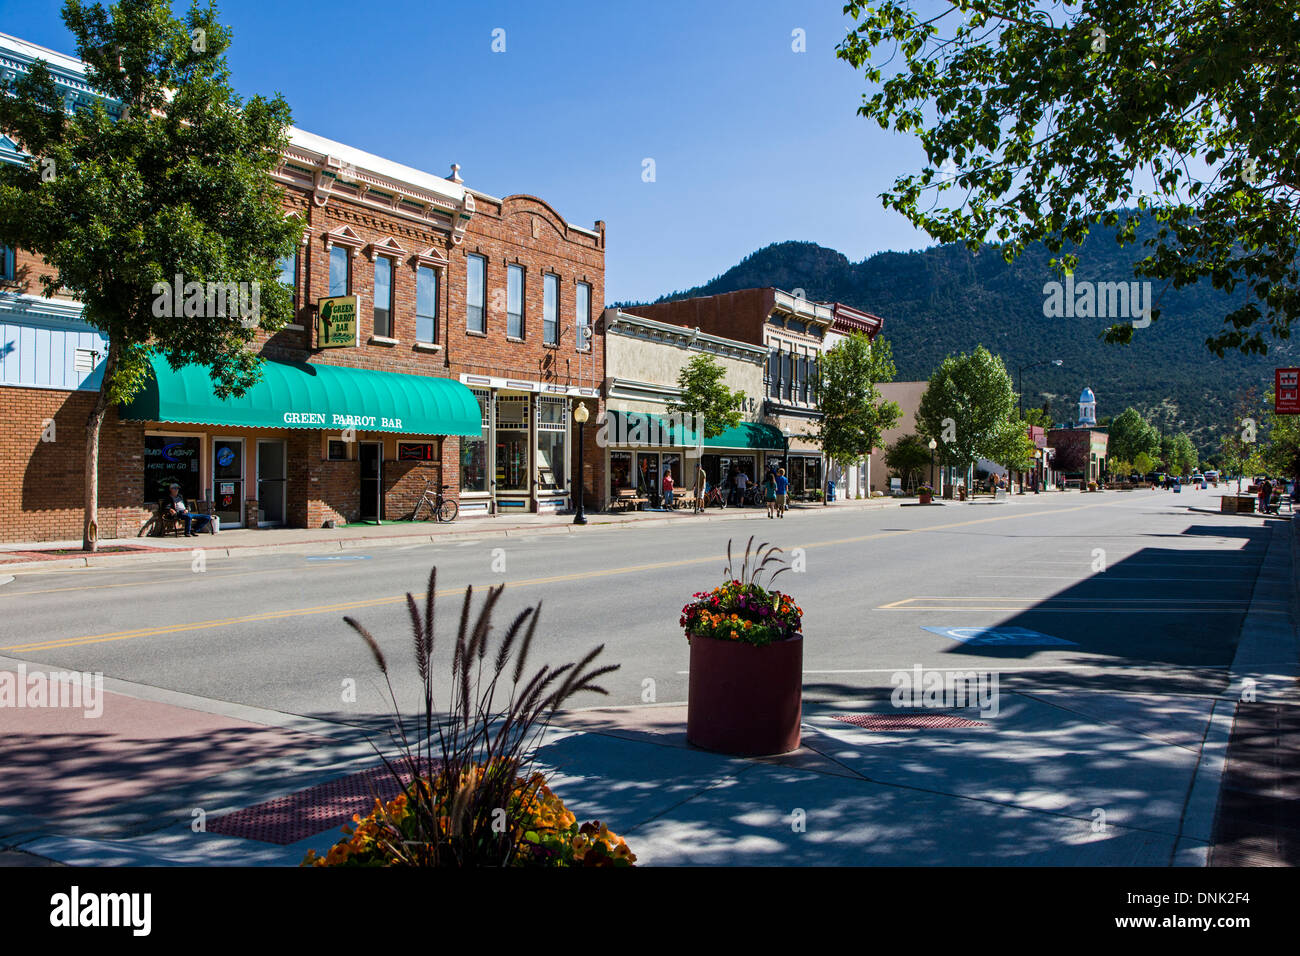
x,y
830,491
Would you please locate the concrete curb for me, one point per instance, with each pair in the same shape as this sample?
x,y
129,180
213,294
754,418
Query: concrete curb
x,y
180,554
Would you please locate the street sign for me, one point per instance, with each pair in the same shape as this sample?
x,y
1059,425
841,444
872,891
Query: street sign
x,y
999,636
1286,391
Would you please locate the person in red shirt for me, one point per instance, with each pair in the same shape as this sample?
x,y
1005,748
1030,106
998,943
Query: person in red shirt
x,y
668,489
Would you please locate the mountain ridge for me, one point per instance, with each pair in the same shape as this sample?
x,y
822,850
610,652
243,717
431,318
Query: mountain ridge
x,y
945,299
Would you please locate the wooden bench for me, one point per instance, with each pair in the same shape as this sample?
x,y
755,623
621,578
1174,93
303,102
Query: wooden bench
x,y
626,499
684,500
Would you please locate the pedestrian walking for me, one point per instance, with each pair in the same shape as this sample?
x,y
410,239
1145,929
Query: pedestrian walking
x,y
1265,492
741,483
782,492
701,487
769,494
668,490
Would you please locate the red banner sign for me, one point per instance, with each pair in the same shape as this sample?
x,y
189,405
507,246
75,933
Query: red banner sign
x,y
1286,391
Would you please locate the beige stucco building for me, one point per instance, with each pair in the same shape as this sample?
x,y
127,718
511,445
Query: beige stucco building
x,y
639,439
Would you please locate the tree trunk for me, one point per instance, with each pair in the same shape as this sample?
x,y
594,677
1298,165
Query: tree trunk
x,y
90,481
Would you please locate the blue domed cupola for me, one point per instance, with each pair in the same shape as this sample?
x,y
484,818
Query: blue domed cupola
x,y
1087,407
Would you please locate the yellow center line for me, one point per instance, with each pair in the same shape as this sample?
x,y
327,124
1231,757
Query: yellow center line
x,y
111,636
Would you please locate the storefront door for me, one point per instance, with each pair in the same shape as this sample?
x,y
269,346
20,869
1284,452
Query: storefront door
x,y
270,482
371,457
228,481
647,466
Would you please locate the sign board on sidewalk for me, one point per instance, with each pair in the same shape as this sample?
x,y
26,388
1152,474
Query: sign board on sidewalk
x,y
1286,391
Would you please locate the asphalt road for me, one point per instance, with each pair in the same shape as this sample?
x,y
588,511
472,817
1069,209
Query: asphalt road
x,y
1149,587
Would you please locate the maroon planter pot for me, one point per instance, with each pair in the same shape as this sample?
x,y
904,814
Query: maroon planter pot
x,y
745,700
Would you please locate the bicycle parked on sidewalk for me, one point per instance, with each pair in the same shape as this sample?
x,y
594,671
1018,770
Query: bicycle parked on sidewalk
x,y
441,508
714,498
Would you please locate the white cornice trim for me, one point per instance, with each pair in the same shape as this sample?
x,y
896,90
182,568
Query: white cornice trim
x,y
39,307
618,322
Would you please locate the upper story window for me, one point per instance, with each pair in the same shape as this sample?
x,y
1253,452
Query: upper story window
x,y
8,268
475,294
426,304
515,301
287,268
582,316
384,297
551,309
340,270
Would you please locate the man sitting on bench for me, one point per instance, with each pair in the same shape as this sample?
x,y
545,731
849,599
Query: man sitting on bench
x,y
175,508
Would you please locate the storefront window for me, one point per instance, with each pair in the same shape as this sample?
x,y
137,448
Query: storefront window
x,y
169,458
620,470
550,460
473,451
551,466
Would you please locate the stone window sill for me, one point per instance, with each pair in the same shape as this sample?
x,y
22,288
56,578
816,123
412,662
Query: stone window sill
x,y
427,347
383,340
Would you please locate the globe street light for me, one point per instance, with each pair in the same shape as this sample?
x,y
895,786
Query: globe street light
x,y
580,415
933,445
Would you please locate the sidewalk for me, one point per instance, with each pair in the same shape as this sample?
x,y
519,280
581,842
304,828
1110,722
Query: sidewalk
x,y
248,541
1021,788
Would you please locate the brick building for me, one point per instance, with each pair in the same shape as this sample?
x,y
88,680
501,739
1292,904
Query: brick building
x,y
476,330
794,332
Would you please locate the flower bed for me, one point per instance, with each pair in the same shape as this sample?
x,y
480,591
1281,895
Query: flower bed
x,y
544,831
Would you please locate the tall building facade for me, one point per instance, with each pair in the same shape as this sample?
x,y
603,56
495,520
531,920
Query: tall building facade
x,y
442,336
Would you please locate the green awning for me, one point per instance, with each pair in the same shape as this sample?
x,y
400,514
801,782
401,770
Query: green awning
x,y
755,436
643,429
300,395
646,430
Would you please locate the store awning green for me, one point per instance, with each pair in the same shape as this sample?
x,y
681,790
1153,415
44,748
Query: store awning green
x,y
754,436
301,395
647,430
644,429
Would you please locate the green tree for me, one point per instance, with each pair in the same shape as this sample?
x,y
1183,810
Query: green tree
x,y
853,413
1043,117
178,184
705,396
1184,453
1144,464
968,407
1131,435
1040,417
908,458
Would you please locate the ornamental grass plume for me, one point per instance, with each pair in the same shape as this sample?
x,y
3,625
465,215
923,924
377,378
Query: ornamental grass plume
x,y
468,795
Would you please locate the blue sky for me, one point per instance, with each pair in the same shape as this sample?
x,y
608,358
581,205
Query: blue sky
x,y
752,142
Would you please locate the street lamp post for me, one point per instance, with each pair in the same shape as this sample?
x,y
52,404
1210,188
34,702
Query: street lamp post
x,y
580,415
933,445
